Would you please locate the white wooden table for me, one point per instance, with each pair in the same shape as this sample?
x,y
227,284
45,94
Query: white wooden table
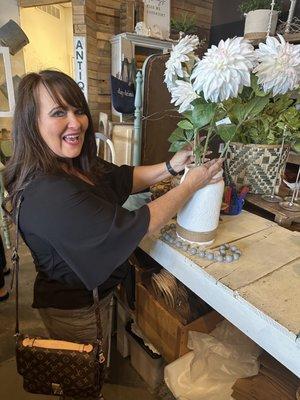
x,y
260,293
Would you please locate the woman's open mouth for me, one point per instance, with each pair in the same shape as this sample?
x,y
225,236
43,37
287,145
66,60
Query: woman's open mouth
x,y
71,139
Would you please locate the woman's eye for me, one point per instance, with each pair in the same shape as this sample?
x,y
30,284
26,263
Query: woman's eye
x,y
58,113
80,111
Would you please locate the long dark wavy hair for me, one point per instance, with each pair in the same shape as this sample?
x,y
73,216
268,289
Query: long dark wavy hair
x,y
31,155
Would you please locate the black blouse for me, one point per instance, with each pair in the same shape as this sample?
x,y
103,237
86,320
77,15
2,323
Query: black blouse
x,y
79,235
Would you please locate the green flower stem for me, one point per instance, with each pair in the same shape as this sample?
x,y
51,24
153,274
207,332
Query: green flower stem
x,y
196,143
224,151
208,136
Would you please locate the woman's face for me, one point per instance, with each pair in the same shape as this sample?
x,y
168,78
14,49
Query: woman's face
x,y
62,128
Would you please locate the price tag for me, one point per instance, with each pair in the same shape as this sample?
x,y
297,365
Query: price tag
x,y
224,121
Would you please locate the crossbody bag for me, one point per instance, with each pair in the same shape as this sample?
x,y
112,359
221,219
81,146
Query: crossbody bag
x,y
57,367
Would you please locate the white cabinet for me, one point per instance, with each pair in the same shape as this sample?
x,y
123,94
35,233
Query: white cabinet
x,y
131,45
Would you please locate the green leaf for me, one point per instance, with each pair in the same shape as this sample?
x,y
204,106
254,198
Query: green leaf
x,y
226,132
255,106
189,135
176,146
185,124
188,115
176,135
202,114
271,137
237,112
255,86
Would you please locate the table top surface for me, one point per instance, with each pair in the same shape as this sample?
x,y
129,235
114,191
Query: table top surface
x,y
274,208
259,293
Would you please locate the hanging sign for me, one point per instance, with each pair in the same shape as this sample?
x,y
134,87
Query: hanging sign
x,y
157,16
80,66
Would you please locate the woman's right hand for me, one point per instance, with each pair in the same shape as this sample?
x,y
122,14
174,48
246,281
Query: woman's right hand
x,y
203,175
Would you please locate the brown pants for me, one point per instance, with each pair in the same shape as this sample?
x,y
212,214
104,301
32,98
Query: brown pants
x,y
77,325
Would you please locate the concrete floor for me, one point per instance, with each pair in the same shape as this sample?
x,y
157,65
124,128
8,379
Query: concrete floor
x,y
123,381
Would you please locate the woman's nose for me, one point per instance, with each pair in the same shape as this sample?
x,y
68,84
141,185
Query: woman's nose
x,y
73,120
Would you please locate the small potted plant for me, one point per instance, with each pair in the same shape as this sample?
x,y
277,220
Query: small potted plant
x,y
185,24
257,13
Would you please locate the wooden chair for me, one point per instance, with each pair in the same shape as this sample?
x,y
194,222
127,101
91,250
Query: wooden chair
x,y
155,116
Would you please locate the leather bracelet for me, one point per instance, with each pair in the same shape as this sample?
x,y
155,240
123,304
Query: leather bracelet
x,y
170,169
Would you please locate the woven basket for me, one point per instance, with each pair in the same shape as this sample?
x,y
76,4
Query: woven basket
x,y
255,165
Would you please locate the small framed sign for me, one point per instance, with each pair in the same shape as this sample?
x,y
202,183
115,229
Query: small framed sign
x,y
157,16
80,66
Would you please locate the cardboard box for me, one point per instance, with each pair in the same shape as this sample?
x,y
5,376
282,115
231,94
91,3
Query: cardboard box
x,y
164,330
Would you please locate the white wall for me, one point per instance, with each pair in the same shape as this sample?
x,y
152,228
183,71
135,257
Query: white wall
x,y
69,38
50,42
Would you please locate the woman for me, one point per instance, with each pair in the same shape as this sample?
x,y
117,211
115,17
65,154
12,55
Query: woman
x,y
71,216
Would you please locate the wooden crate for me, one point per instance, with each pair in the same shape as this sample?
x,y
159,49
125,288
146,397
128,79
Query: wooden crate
x,y
163,329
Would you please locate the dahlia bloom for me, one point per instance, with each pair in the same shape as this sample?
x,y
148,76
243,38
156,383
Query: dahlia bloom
x,y
279,65
183,52
183,94
224,70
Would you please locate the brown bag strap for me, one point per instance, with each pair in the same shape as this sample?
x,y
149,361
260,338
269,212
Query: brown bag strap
x,y
16,266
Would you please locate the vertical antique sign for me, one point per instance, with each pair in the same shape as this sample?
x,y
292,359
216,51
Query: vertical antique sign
x,y
80,66
157,15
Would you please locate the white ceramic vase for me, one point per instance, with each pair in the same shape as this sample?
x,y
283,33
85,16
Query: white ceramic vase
x,y
198,220
257,22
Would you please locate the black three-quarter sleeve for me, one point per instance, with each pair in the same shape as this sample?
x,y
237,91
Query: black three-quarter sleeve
x,y
119,178
92,235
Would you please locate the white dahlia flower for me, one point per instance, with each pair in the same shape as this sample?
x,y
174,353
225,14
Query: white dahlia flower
x,y
279,65
182,52
183,94
224,69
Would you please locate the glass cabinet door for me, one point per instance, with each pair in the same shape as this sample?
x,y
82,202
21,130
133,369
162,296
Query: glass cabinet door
x,y
7,98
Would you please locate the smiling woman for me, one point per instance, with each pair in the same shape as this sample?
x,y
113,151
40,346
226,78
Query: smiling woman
x,y
71,215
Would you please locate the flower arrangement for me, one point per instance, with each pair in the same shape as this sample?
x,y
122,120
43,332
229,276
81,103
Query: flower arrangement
x,y
250,88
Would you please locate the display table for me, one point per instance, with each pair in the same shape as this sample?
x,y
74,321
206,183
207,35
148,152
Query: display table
x,y
259,293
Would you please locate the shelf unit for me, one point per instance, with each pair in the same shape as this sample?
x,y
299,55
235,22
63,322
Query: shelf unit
x,y
131,45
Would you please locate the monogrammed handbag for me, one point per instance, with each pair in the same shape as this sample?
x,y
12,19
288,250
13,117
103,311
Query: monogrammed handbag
x,y
56,367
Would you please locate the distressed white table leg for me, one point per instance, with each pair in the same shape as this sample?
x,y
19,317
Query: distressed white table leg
x,y
3,217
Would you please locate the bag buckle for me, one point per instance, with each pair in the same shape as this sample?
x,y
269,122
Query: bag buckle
x,y
101,357
57,389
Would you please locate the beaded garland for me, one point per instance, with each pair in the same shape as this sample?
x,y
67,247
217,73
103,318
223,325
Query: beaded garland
x,y
225,253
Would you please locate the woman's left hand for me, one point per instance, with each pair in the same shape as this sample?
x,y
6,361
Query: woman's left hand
x,y
182,158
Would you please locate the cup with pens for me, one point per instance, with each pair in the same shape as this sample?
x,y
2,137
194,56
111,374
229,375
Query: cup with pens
x,y
233,199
